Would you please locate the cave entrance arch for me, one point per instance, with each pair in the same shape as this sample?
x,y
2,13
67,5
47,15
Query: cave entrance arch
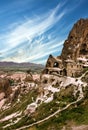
x,y
83,50
64,72
56,64
61,72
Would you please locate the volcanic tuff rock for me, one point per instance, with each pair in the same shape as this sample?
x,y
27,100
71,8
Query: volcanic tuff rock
x,y
76,44
74,56
5,87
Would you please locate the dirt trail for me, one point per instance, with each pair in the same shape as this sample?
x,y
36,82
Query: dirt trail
x,y
52,115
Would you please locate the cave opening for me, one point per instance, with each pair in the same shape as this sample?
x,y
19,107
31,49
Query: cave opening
x,y
84,50
56,64
64,72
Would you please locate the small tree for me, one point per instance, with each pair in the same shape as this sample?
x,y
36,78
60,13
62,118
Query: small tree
x,y
28,71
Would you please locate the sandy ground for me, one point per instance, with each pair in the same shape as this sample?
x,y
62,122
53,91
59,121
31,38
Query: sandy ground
x,y
82,127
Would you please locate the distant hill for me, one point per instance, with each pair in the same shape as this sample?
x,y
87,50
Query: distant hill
x,y
24,64
20,66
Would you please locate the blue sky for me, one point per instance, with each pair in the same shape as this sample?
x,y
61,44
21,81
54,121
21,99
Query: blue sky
x,y
30,30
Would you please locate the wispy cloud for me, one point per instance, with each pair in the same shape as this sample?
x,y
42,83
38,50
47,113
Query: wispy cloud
x,y
32,34
33,38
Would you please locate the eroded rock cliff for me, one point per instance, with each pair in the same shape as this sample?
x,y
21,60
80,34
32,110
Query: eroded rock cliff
x,y
76,44
74,56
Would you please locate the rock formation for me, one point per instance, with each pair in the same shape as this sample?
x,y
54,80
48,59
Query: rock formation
x,y
74,56
76,44
5,87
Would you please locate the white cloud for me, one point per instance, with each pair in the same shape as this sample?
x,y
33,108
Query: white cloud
x,y
35,53
29,31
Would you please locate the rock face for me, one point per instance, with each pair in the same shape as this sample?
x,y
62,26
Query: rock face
x,y
5,88
74,56
76,44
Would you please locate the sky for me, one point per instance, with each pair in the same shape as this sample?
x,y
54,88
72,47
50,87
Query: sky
x,y
31,30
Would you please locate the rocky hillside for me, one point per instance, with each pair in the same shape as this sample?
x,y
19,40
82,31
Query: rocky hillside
x,y
48,103
51,100
77,42
74,56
